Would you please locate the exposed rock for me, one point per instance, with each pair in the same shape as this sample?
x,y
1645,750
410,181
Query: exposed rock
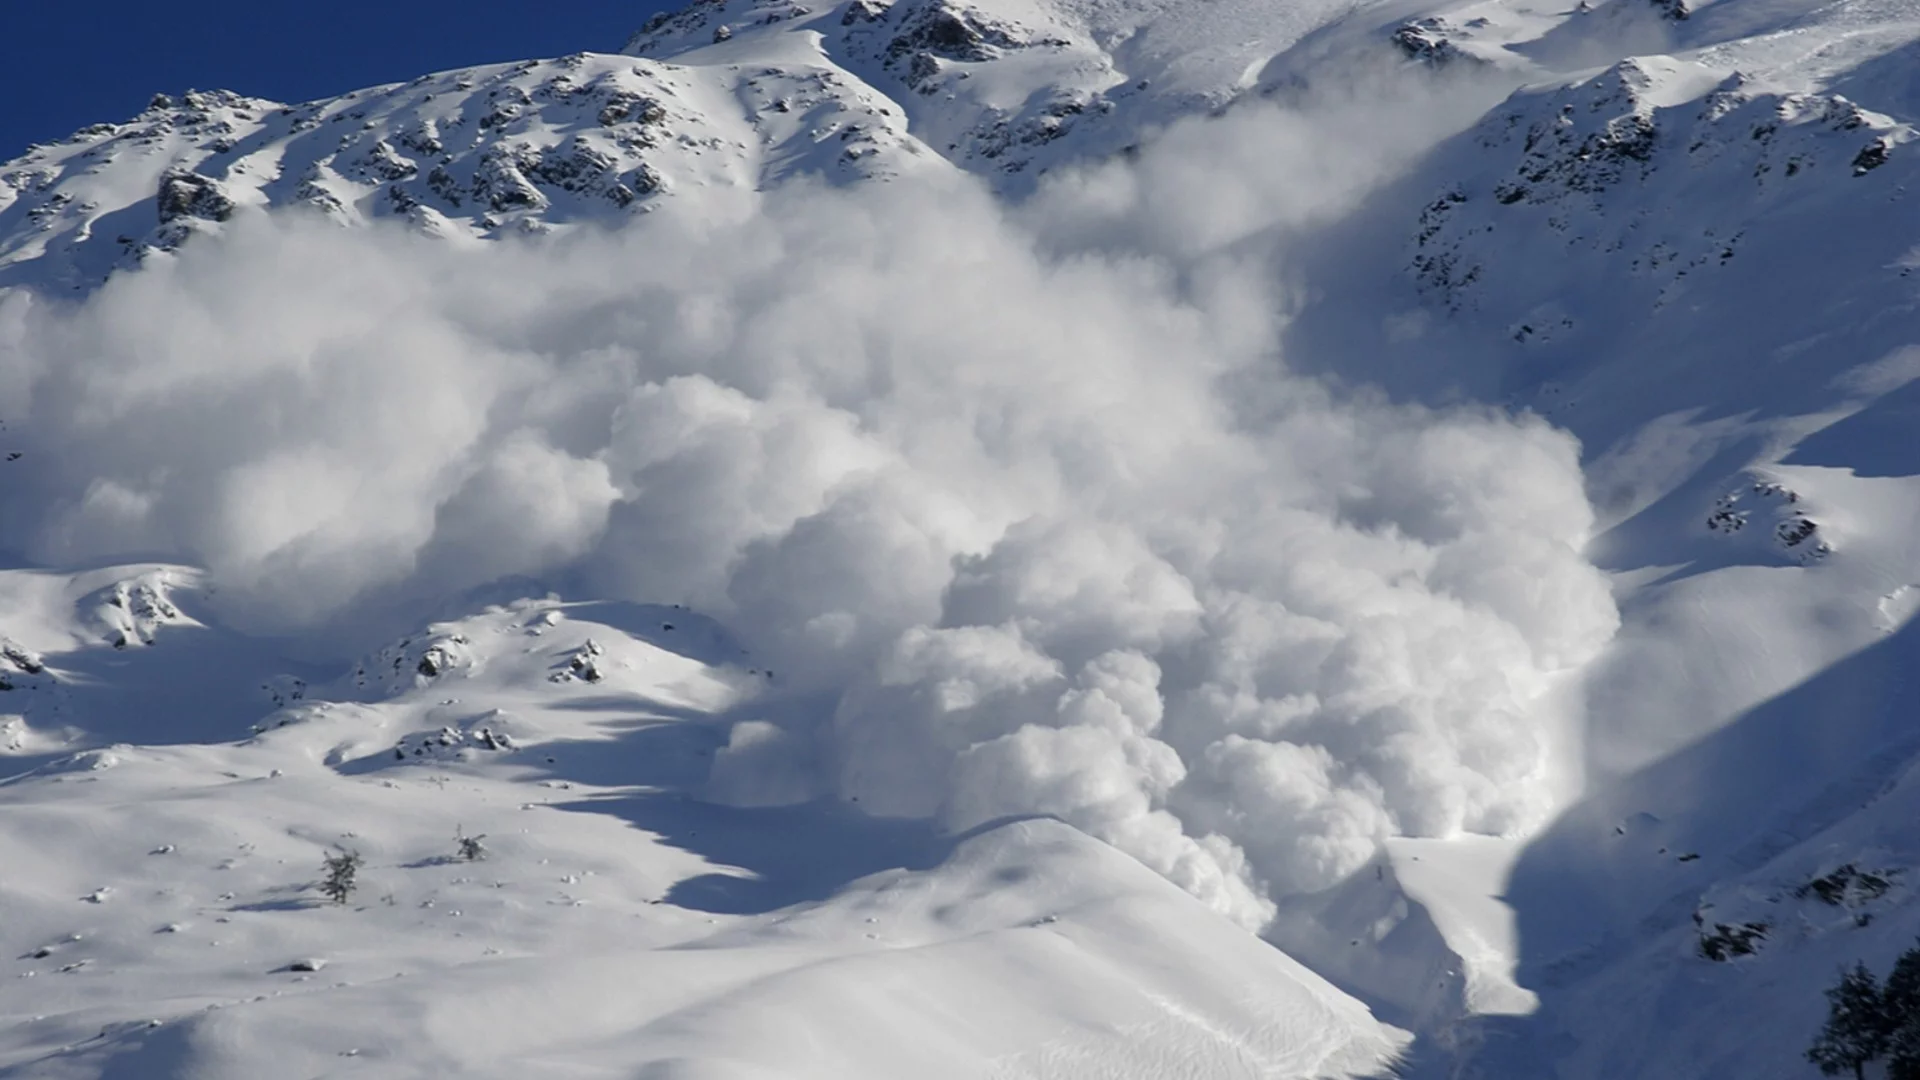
x,y
384,162
1427,41
402,665
1872,156
500,182
863,11
951,33
623,105
423,138
1573,148
1721,942
1847,886
187,194
582,664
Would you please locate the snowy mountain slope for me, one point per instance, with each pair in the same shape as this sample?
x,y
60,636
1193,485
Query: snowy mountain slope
x,y
741,94
79,671
1694,270
1721,883
474,153
1698,262
1702,270
1687,239
1011,87
164,898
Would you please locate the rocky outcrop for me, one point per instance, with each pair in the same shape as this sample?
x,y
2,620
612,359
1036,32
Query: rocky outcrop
x,y
1558,161
1430,41
186,194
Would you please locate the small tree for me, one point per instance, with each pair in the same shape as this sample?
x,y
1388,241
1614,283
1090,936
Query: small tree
x,y
341,869
1903,1052
470,847
1857,1029
1900,1001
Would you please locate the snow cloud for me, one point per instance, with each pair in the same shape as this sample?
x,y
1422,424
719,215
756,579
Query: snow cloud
x,y
1027,494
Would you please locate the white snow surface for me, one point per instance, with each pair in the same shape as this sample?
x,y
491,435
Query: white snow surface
x,y
164,896
1011,538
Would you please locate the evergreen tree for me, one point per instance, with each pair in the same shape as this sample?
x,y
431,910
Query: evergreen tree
x,y
1900,1002
1857,1029
470,847
341,869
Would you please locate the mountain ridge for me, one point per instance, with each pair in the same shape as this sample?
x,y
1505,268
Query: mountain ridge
x,y
1680,233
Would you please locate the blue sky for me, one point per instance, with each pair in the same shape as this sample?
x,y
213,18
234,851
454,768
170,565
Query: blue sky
x,y
65,64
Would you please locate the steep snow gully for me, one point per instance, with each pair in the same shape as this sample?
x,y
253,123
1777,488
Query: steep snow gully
x,y
1014,539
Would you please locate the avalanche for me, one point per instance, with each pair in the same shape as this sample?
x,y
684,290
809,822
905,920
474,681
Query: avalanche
x,y
999,539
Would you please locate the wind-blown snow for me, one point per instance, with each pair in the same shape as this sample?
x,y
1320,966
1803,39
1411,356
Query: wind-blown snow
x,y
1044,533
1164,418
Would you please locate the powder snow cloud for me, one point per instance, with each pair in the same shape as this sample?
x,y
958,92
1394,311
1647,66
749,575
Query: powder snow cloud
x,y
1026,496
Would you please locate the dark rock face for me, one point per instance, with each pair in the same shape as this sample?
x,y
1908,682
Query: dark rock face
x,y
1426,41
186,194
950,33
862,11
668,25
501,182
1723,942
1872,156
624,105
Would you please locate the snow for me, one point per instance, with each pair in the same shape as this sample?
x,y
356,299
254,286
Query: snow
x,y
165,896
1022,538
1460,882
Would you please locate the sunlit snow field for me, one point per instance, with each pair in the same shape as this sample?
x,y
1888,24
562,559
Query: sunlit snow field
x,y
1082,540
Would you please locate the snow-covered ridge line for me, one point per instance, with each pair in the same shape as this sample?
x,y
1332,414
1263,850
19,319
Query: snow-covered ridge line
x,y
727,94
746,93
1604,164
512,148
